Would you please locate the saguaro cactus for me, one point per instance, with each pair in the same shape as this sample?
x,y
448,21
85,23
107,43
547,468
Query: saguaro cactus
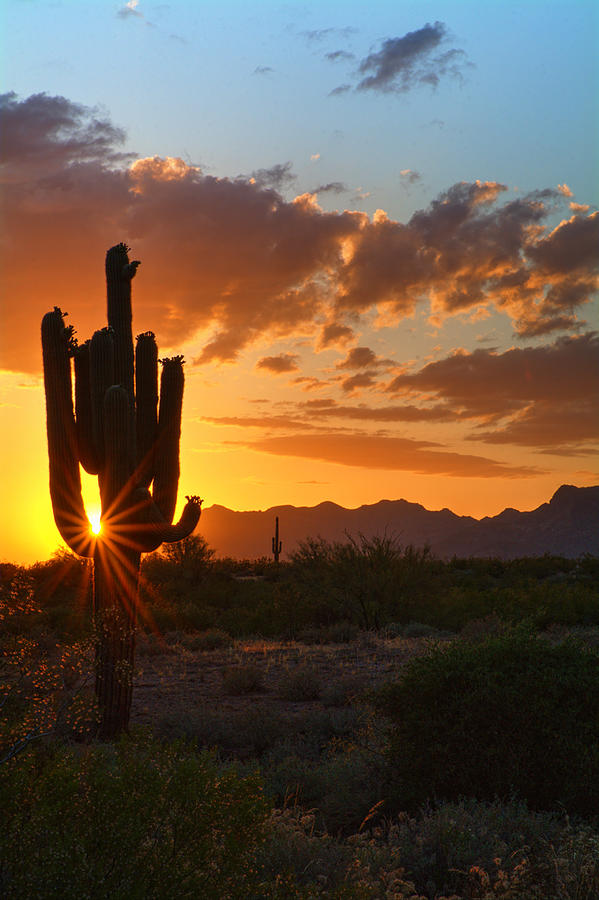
x,y
124,436
277,545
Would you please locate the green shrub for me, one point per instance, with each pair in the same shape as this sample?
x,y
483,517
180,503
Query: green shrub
x,y
134,820
239,680
513,714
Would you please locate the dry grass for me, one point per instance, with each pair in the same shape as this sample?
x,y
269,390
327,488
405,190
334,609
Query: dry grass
x,y
196,679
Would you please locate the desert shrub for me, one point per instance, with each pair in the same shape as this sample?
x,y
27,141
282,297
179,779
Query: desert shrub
x,y
134,820
248,732
239,680
364,580
341,691
299,684
512,714
211,639
482,629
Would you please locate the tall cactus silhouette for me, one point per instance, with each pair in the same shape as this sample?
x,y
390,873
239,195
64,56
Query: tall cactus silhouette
x,y
121,433
277,545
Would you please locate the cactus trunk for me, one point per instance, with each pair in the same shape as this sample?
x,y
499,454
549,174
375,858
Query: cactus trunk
x,y
277,545
118,434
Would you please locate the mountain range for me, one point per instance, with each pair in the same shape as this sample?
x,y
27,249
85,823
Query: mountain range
x,y
568,525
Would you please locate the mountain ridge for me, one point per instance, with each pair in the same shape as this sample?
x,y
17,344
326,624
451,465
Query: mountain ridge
x,y
566,525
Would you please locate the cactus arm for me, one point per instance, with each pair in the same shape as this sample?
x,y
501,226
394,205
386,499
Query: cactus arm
x,y
83,412
166,460
146,394
152,530
101,375
65,479
119,273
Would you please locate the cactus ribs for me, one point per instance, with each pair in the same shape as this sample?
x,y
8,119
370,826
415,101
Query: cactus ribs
x,y
120,432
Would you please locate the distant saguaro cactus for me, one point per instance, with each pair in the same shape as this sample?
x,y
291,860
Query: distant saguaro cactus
x,y
277,545
120,433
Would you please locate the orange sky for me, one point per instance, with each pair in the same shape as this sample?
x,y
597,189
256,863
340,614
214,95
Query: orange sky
x,y
331,354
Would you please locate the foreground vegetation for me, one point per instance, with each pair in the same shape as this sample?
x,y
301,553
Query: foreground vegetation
x,y
418,729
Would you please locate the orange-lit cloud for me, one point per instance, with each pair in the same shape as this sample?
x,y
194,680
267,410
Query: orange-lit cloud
x,y
550,393
284,362
233,257
382,452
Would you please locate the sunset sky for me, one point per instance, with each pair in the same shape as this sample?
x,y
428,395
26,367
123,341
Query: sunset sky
x,y
371,228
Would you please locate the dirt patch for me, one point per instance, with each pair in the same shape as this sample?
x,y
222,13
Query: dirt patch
x,y
173,677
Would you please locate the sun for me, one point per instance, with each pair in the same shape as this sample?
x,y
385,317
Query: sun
x,y
94,521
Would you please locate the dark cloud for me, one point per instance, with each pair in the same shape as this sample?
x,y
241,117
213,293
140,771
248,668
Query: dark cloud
x,y
42,135
410,176
381,452
359,381
285,362
404,63
335,334
358,358
549,394
317,35
364,358
341,89
278,176
405,413
258,421
333,187
339,56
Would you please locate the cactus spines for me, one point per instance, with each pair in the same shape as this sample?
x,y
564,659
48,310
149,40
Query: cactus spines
x,y
118,433
277,545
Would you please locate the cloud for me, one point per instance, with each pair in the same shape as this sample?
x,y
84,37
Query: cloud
x,y
42,135
335,335
258,421
333,187
317,35
235,262
339,56
549,394
392,453
395,413
340,89
410,176
359,381
278,176
404,63
363,358
129,10
467,251
565,190
284,362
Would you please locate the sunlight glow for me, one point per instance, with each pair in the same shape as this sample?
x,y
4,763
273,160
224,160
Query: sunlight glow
x,y
94,521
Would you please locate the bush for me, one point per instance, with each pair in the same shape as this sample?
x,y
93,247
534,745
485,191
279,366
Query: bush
x,y
239,680
513,714
212,639
299,684
134,820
